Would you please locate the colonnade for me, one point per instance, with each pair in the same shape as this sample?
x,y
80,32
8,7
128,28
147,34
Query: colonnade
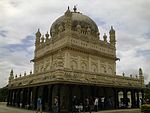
x,y
27,97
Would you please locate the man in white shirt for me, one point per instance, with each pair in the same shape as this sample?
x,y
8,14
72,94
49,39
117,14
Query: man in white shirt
x,y
96,104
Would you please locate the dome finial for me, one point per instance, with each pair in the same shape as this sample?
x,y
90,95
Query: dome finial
x,y
111,27
140,72
105,37
75,8
68,11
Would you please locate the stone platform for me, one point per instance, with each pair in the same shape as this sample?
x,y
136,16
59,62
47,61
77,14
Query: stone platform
x,y
5,109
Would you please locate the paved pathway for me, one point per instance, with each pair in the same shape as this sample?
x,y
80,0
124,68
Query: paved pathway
x,y
5,109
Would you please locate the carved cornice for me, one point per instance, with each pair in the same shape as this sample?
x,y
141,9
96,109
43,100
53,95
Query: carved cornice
x,y
76,77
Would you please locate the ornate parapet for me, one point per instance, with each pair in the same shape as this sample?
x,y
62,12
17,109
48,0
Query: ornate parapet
x,y
80,77
75,41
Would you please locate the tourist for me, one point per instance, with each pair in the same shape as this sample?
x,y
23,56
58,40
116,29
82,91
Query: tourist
x,y
74,104
87,104
80,107
102,102
91,106
39,105
140,102
109,102
96,104
55,106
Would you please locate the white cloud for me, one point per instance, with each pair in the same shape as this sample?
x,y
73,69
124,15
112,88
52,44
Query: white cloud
x,y
20,18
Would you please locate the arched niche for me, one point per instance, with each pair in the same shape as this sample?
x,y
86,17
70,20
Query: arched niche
x,y
73,64
110,71
94,68
103,69
83,66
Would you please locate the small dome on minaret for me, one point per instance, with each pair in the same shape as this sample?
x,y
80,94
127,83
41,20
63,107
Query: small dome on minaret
x,y
38,34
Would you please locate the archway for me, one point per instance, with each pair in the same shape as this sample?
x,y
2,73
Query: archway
x,y
129,99
120,98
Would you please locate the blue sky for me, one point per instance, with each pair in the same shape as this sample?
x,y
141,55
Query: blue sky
x,y
20,20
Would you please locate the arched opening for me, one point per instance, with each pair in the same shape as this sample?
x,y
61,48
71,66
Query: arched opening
x,y
45,98
140,99
129,99
120,99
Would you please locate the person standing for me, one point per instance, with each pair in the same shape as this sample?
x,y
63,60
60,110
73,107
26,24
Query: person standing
x,y
74,104
91,106
55,107
102,102
87,104
96,104
39,105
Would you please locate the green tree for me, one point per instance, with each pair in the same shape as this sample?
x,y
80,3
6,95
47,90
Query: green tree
x,y
3,94
147,91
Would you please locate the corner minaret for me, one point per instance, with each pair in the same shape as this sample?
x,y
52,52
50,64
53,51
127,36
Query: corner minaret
x,y
112,36
141,76
11,75
68,16
38,35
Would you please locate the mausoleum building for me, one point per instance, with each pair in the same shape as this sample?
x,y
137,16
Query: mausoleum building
x,y
73,60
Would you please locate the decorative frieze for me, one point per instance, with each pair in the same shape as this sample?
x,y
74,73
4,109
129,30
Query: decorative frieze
x,y
64,75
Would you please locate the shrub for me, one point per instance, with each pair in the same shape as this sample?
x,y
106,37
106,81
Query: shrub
x,y
145,108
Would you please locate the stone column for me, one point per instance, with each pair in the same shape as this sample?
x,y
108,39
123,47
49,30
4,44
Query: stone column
x,y
133,98
116,98
58,93
142,91
35,91
70,97
21,98
92,91
137,101
45,97
50,89
24,98
31,98
11,97
82,93
18,98
28,97
125,101
8,98
14,102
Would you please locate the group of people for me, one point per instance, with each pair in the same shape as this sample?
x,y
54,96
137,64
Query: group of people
x,y
90,104
39,105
